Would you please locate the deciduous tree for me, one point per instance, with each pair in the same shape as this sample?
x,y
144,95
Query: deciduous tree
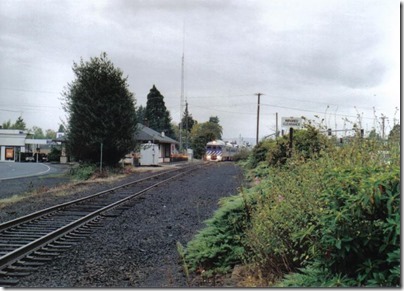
x,y
202,133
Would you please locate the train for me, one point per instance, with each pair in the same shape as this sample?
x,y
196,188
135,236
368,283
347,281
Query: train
x,y
218,150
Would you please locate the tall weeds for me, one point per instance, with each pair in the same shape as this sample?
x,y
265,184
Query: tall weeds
x,y
327,216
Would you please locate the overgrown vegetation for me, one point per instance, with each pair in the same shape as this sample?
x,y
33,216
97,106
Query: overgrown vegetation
x,y
54,154
219,246
82,171
317,215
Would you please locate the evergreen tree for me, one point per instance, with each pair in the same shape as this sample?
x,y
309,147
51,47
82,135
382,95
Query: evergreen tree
x,y
141,114
187,121
214,119
101,111
19,124
157,115
61,128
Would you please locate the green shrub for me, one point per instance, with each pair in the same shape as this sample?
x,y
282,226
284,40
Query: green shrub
x,y
54,155
340,210
286,204
83,171
242,155
219,246
315,276
327,216
308,143
259,153
359,233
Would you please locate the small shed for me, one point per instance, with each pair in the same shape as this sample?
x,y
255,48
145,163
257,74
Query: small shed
x,y
148,154
166,145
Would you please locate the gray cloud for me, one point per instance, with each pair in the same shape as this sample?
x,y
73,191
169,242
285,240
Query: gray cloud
x,y
321,52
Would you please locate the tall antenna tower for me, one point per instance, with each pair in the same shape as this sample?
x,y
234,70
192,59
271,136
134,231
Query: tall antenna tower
x,y
182,85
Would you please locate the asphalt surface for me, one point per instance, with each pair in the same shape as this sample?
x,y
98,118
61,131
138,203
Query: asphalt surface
x,y
18,178
11,170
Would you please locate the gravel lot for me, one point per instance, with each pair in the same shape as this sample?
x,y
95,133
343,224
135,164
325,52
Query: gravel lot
x,y
138,248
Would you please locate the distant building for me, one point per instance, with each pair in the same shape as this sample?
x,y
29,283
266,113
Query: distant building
x,y
12,141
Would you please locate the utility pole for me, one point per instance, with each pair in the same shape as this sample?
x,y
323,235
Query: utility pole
x,y
186,124
258,115
182,84
276,130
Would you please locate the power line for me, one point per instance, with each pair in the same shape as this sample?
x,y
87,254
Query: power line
x,y
218,96
201,97
28,90
8,110
211,108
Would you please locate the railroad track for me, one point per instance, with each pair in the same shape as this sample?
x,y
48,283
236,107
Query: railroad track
x,y
32,240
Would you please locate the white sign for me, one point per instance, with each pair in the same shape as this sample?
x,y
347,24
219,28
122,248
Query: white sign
x,y
295,122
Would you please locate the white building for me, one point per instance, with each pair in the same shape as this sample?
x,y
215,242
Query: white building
x,y
12,141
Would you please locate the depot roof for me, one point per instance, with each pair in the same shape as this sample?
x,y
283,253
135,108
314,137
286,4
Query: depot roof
x,y
145,133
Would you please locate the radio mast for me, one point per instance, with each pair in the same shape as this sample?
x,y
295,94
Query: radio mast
x,y
182,85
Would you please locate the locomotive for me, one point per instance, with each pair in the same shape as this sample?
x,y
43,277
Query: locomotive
x,y
218,150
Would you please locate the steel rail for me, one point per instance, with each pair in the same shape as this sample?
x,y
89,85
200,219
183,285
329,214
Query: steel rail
x,y
31,216
37,244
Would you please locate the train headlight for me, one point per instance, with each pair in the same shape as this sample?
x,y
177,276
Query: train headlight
x,y
208,157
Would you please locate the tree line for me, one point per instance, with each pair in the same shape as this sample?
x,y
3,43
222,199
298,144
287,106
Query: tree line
x,y
102,116
35,132
194,134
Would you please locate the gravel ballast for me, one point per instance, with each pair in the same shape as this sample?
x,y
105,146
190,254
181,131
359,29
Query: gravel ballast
x,y
138,247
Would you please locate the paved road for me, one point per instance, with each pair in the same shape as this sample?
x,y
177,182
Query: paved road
x,y
10,170
19,178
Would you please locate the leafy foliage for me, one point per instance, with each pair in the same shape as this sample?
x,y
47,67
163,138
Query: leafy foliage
x,y
54,154
316,276
202,133
360,230
19,124
308,143
326,216
101,110
219,245
83,171
287,203
339,212
395,133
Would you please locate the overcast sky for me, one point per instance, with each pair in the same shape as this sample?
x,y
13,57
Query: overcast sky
x,y
333,59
